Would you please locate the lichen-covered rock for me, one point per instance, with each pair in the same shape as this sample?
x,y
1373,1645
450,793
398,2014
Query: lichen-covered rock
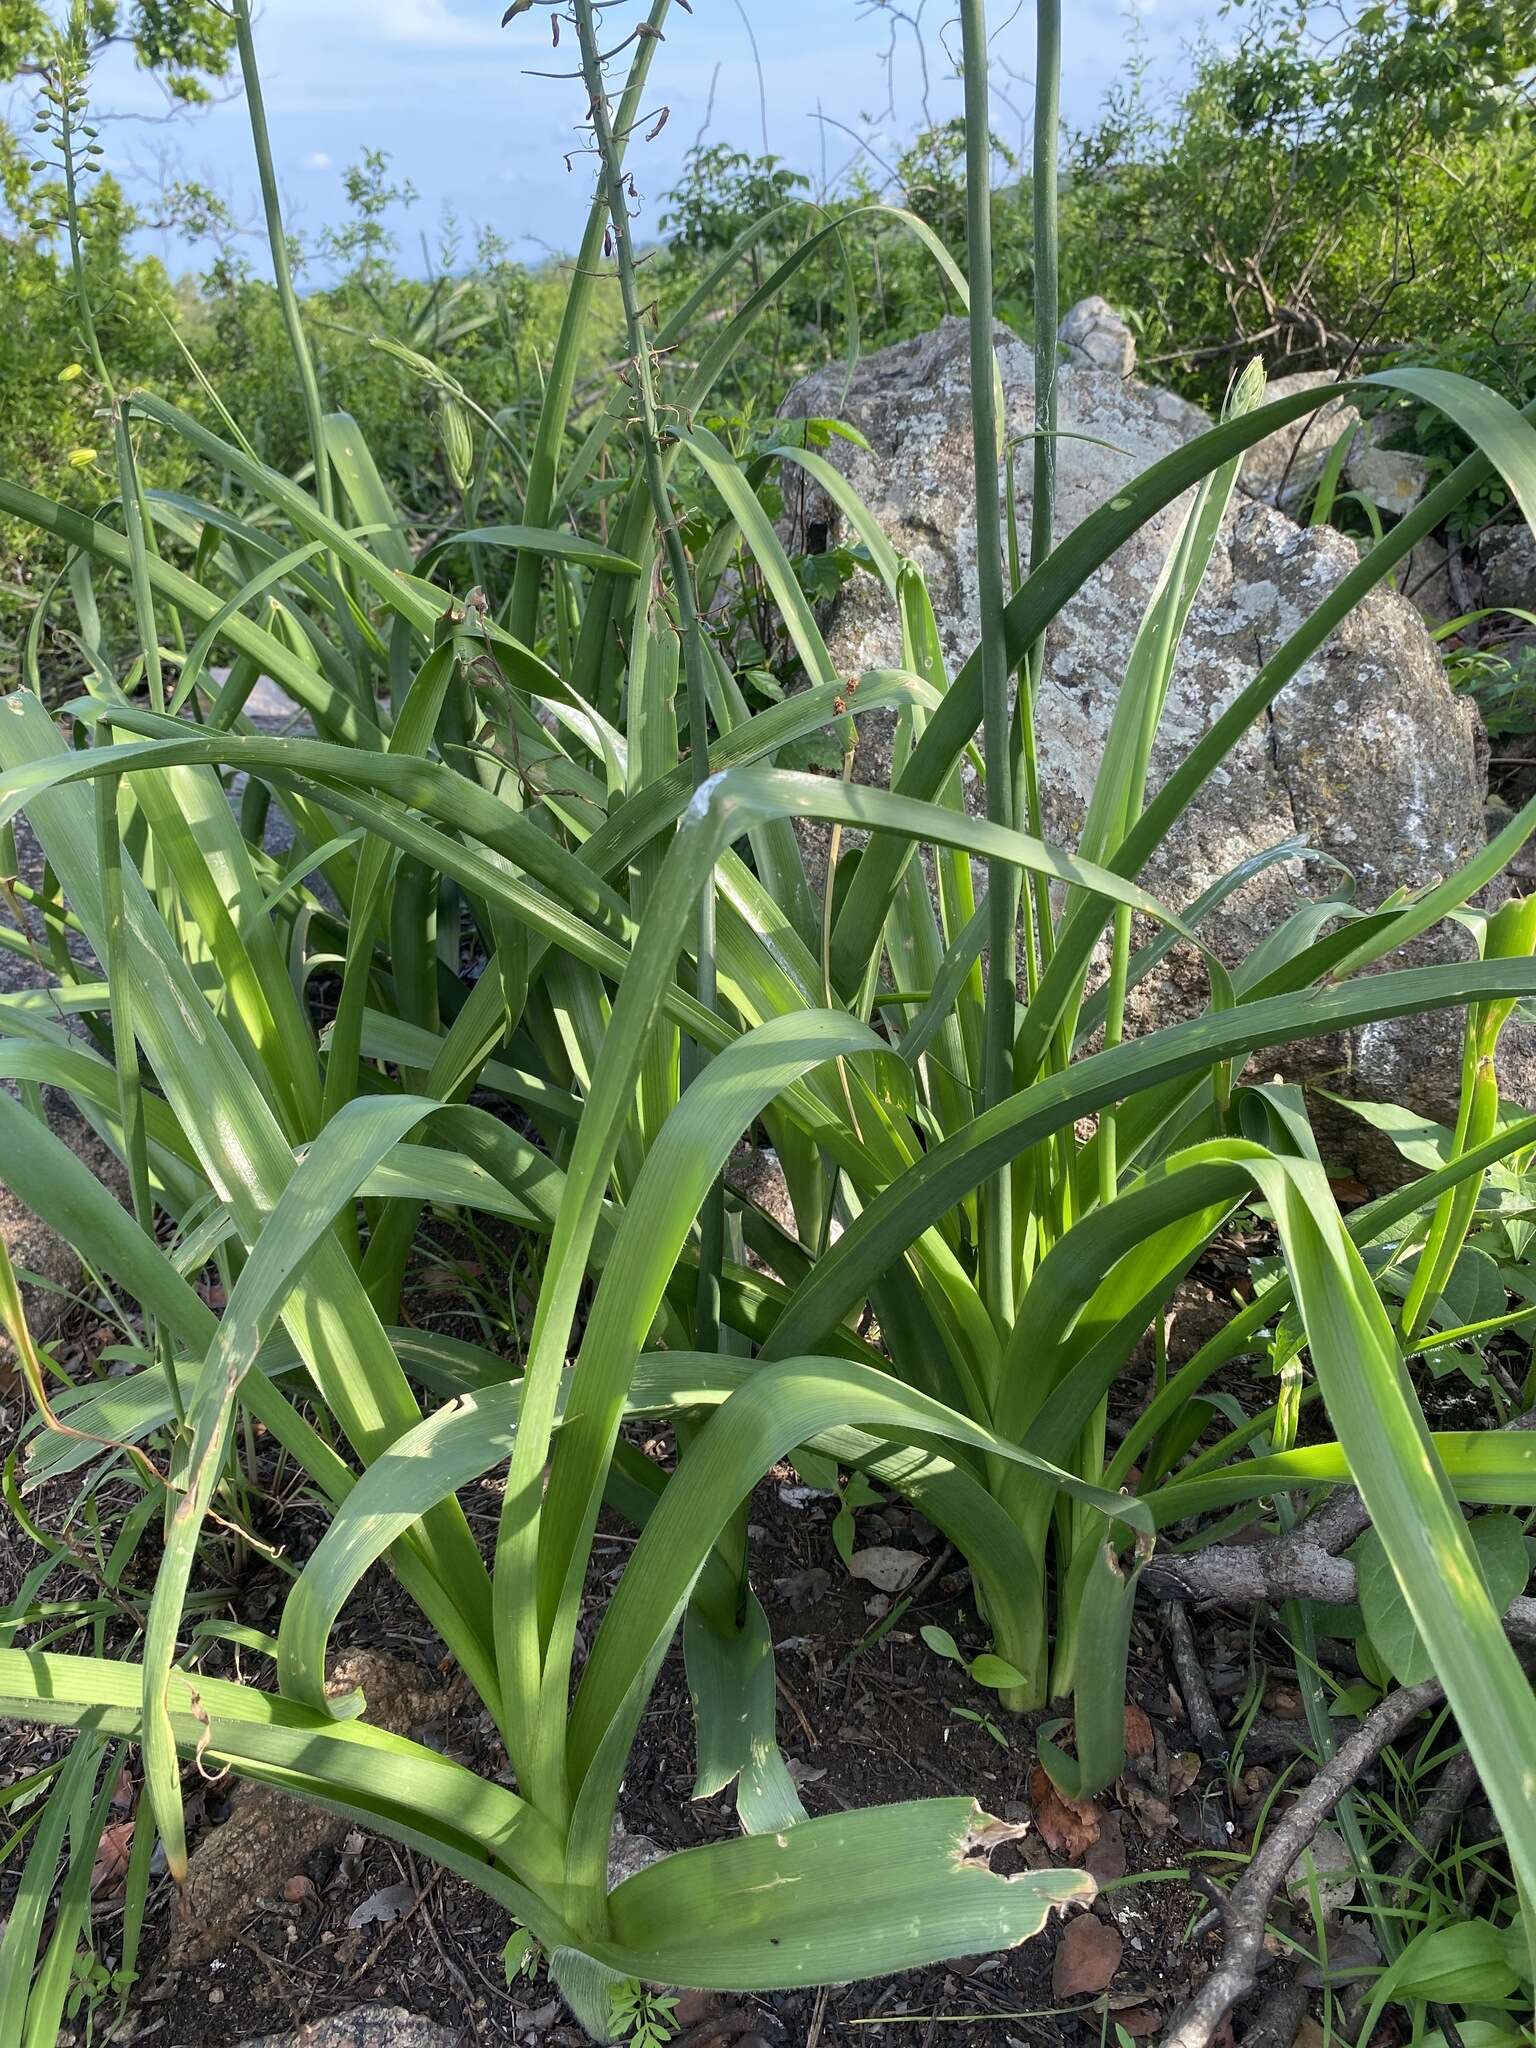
x,y
1095,337
1366,756
370,2026
1506,556
1283,467
1393,478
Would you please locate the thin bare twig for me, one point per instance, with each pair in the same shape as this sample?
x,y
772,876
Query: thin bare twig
x,y
1244,1910
1198,1704
1438,1815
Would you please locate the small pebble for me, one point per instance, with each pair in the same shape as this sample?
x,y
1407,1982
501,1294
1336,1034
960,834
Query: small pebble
x,y
297,1889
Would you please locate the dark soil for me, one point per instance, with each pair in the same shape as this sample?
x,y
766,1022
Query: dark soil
x,y
861,1723
867,1714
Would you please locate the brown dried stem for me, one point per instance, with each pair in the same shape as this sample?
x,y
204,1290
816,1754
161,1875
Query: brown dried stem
x,y
1285,1568
1244,1910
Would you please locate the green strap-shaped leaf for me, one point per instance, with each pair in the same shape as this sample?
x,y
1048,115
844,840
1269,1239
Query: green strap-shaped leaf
x,y
849,1895
735,1709
767,550
352,460
347,1764
409,597
353,1143
852,507
468,1438
305,684
24,1925
550,542
1412,1502
682,1165
412,735
766,1418
1485,1467
948,1172
426,785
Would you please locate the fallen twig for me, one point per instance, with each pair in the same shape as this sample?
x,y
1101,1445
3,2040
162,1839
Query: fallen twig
x,y
1286,1568
1439,1813
1193,1690
1243,1911
1279,2018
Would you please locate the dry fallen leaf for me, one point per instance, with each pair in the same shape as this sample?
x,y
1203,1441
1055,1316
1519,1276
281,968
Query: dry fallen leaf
x,y
383,1906
1183,1770
1087,1956
111,1866
1069,1827
1106,1859
1139,1739
1153,1815
803,1589
889,1569
1327,1864
1139,2020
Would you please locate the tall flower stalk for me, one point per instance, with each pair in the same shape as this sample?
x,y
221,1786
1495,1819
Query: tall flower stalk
x,y
282,269
642,365
1002,899
1047,313
560,383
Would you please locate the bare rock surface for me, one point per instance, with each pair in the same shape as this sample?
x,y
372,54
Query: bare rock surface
x,y
1095,337
1393,478
1366,756
370,2026
270,1835
1282,468
1506,555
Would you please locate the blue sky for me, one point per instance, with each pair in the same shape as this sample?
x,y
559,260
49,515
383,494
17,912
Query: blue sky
x,y
446,91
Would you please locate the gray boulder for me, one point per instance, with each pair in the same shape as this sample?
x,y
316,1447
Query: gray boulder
x,y
369,2026
1366,756
1429,579
1283,467
1095,337
1506,556
1393,478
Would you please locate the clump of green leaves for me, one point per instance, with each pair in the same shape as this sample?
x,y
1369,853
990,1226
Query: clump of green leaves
x,y
643,2017
1501,681
547,868
984,1669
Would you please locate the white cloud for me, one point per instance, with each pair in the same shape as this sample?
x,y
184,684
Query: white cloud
x,y
431,22
425,24
318,160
